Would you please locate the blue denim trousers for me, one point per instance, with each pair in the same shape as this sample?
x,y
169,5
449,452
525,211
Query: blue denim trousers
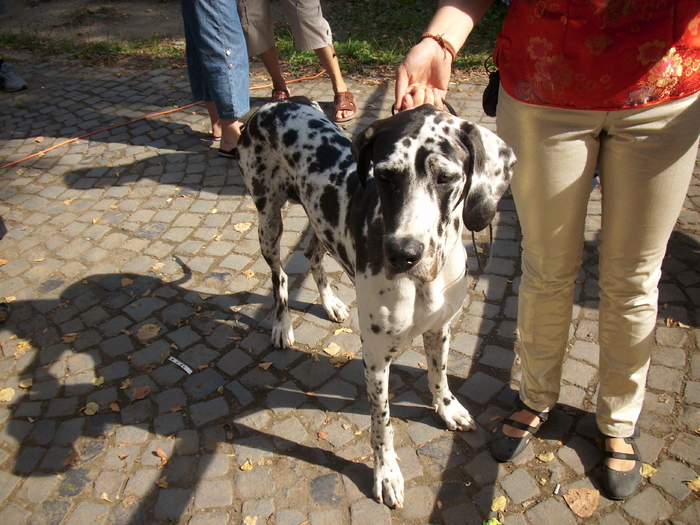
x,y
217,59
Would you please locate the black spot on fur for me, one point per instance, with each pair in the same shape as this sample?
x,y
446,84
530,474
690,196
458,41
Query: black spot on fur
x,y
290,137
376,329
330,206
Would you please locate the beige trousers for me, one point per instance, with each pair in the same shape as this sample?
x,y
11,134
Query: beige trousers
x,y
309,29
645,158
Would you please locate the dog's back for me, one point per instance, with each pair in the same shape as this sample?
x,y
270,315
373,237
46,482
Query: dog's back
x,y
290,150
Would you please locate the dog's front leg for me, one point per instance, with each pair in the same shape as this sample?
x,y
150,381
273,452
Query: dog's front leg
x,y
388,480
437,347
269,234
334,307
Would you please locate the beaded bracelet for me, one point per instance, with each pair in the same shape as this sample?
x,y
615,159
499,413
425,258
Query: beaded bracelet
x,y
444,44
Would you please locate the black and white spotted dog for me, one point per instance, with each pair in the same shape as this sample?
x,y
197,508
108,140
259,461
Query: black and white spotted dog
x,y
392,217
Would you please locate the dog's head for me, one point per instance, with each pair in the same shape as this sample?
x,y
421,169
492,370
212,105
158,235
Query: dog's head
x,y
432,170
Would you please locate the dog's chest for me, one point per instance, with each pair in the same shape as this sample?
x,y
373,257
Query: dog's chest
x,y
404,308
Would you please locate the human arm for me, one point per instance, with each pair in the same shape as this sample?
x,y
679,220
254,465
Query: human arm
x,y
424,74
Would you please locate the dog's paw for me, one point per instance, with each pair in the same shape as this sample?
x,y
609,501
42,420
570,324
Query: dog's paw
x,y
456,417
388,485
282,334
336,309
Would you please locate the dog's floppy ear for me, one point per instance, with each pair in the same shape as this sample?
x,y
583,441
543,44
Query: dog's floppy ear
x,y
362,146
492,164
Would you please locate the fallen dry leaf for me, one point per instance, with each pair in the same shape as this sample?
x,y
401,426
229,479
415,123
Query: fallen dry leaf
x,y
3,262
140,392
7,394
91,408
148,331
114,407
126,281
157,266
39,140
69,338
175,408
250,520
249,274
126,383
332,349
204,296
342,330
648,471
322,435
98,381
163,457
105,497
693,484
242,227
95,220
498,504
71,458
129,500
248,465
265,366
339,361
162,483
26,383
583,502
544,458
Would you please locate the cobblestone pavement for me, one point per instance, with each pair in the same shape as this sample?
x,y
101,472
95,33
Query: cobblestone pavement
x,y
139,243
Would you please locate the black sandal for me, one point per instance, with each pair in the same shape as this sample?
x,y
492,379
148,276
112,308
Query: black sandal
x,y
506,448
230,154
619,484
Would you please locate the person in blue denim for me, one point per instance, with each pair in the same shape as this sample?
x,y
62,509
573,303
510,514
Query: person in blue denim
x,y
217,65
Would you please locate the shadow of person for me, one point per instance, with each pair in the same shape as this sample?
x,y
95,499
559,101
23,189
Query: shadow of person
x,y
99,409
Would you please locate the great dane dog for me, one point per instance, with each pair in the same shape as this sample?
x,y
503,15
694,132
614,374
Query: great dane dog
x,y
390,209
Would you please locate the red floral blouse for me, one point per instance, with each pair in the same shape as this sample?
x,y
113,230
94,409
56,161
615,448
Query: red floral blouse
x,y
600,54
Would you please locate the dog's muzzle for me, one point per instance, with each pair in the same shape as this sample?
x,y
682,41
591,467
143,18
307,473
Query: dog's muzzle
x,y
403,253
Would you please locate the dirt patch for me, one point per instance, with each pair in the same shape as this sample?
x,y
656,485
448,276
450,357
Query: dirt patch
x,y
94,20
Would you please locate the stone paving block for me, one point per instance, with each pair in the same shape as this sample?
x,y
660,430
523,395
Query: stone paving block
x,y
497,357
551,512
14,514
172,503
670,477
687,448
50,513
648,506
692,392
254,484
262,509
368,512
580,455
288,433
88,513
665,379
213,494
480,387
519,486
289,517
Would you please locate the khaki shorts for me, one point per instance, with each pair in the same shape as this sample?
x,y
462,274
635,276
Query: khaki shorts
x,y
309,29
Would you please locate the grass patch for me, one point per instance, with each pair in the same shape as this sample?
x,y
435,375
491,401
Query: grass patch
x,y
367,34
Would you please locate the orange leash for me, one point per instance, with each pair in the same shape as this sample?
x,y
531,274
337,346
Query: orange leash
x,y
160,113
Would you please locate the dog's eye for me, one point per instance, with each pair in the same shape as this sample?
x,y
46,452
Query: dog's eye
x,y
381,174
444,178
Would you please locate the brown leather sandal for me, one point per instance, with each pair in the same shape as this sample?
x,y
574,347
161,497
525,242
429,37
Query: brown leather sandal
x,y
344,101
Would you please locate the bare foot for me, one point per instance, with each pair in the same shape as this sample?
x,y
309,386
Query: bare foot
x,y
523,416
619,445
230,133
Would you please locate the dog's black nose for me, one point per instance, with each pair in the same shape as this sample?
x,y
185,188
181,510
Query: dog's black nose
x,y
403,253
